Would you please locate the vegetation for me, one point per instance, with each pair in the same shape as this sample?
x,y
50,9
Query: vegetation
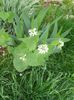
x,y
40,31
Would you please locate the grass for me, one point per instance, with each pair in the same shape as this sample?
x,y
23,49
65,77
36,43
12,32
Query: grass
x,y
36,84
55,81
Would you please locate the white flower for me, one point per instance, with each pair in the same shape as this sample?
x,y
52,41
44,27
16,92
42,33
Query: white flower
x,y
3,53
32,32
20,74
67,16
23,58
43,48
61,44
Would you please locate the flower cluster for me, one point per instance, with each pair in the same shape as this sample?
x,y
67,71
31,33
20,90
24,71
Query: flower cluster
x,y
43,48
69,16
32,32
61,44
23,58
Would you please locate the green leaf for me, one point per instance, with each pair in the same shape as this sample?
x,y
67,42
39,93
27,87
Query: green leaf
x,y
65,33
65,39
4,38
55,30
7,16
55,33
36,59
10,49
31,59
44,35
58,35
11,16
4,15
39,19
26,19
54,42
19,64
30,42
49,40
18,26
